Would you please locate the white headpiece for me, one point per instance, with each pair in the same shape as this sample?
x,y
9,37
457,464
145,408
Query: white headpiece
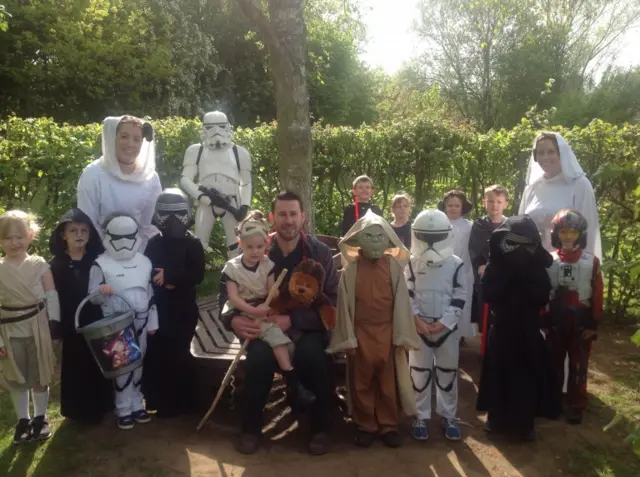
x,y
145,162
121,238
431,240
216,130
571,168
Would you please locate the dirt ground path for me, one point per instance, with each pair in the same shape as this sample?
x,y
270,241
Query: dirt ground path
x,y
174,448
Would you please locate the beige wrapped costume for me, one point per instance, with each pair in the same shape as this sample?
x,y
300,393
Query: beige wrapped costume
x,y
21,287
375,320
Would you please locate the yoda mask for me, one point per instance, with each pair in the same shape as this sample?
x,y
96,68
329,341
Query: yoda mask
x,y
374,237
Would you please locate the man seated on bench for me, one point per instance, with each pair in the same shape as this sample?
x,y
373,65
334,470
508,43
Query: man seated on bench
x,y
289,246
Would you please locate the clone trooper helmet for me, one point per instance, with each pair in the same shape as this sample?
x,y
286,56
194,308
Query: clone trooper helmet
x,y
173,214
216,130
121,237
569,226
431,240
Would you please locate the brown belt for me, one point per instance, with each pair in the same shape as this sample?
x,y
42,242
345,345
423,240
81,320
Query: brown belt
x,y
35,309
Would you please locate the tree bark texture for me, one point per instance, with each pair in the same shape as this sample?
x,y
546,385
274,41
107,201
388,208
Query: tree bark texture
x,y
283,30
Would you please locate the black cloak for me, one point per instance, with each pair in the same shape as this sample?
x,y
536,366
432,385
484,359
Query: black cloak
x,y
518,379
85,395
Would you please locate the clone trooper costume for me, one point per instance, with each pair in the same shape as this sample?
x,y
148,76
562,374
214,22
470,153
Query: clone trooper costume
x,y
128,272
217,173
437,285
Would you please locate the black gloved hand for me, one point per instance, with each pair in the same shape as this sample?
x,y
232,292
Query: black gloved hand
x,y
55,329
241,213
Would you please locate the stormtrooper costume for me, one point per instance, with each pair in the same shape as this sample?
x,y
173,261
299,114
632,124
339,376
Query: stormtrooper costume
x,y
217,174
437,284
128,272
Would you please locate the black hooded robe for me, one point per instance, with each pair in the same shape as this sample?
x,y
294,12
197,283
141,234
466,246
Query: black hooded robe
x,y
168,380
518,380
85,394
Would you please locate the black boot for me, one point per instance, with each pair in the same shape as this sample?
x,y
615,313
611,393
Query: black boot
x,y
573,415
300,398
22,434
364,438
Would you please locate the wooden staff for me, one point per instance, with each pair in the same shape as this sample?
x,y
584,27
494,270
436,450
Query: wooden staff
x,y
236,360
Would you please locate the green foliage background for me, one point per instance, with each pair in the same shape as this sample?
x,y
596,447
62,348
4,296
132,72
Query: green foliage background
x,y
40,162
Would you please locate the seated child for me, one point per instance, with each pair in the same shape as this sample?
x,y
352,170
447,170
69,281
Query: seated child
x,y
362,192
401,211
124,271
178,263
29,315
85,394
248,280
496,198
576,306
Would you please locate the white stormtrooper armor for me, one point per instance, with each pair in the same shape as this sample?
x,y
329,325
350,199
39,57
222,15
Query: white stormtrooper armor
x,y
576,277
438,289
128,272
217,170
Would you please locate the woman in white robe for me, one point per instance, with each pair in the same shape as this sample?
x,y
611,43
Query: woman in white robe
x,y
556,181
456,206
124,179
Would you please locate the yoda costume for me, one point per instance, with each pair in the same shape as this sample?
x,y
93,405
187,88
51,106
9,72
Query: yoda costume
x,y
375,326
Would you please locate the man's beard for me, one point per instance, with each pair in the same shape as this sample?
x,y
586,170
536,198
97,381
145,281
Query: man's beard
x,y
289,233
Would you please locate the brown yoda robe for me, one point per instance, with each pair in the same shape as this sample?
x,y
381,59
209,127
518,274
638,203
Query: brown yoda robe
x,y
375,320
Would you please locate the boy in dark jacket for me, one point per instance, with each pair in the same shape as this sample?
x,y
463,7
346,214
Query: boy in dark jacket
x,y
362,192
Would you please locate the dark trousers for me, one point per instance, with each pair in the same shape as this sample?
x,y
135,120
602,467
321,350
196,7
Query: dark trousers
x,y
568,340
312,366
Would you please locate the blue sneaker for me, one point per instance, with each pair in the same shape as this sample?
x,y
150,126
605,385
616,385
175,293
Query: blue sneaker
x,y
141,417
420,429
451,429
126,423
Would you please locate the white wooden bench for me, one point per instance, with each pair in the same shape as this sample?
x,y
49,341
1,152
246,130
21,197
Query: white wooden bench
x,y
211,340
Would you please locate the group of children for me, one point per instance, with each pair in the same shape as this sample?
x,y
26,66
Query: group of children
x,y
159,285
532,307
447,256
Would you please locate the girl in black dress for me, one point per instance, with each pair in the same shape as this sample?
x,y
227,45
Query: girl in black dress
x,y
85,394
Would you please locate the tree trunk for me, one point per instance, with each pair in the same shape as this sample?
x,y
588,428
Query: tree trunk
x,y
284,34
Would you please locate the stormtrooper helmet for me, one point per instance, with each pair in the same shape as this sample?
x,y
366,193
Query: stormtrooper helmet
x,y
216,130
173,214
431,240
121,237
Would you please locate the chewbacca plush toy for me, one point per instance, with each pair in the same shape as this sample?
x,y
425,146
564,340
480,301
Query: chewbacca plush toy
x,y
305,290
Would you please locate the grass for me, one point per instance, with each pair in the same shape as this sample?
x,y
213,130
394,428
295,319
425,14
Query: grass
x,y
67,454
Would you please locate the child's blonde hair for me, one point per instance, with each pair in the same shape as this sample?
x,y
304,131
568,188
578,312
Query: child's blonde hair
x,y
24,222
497,189
362,178
254,223
399,197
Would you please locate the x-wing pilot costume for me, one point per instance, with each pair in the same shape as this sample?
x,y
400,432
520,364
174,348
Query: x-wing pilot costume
x,y
437,285
129,273
217,174
576,305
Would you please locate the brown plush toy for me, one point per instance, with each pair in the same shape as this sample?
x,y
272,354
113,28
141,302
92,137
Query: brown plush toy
x,y
305,290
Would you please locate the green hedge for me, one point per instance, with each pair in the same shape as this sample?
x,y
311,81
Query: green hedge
x,y
40,162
